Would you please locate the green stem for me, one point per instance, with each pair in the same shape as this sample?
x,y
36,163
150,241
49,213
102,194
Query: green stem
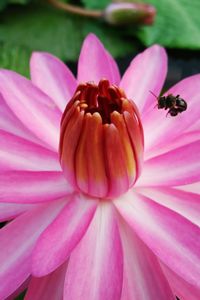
x,y
75,9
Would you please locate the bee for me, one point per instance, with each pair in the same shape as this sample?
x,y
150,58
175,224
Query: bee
x,y
175,104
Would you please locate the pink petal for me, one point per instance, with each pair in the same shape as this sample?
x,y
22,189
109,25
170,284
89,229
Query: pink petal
x,y
32,187
53,77
19,154
185,203
174,239
193,188
194,126
47,287
17,240
182,140
96,63
61,236
34,108
10,123
181,288
176,167
142,276
95,266
147,72
9,211
159,129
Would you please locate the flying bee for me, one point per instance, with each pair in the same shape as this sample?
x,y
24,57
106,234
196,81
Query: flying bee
x,y
175,104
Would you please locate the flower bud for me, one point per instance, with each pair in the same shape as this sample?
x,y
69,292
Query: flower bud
x,y
101,140
128,13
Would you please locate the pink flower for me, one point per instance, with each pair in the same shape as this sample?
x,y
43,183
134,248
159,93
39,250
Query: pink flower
x,y
64,244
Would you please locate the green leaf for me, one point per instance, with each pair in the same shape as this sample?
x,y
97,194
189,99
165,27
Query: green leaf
x,y
19,1
177,24
40,28
15,58
4,3
95,4
21,296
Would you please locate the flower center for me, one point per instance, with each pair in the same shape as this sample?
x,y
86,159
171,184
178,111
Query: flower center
x,y
103,99
101,140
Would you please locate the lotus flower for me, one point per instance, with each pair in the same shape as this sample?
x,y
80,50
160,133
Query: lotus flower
x,y
105,217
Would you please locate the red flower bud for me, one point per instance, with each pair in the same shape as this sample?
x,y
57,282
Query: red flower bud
x,y
127,13
101,140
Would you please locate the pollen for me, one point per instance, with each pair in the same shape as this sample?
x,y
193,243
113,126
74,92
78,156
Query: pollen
x,y
101,140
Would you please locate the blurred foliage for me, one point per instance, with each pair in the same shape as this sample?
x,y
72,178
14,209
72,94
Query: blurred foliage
x,y
15,58
34,25
21,297
4,3
42,28
177,24
95,4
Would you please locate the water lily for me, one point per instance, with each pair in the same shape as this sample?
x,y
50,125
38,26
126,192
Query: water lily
x,y
114,213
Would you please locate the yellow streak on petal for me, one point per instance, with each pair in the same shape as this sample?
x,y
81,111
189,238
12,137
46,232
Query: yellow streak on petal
x,y
136,135
130,106
69,144
81,156
118,120
116,166
98,182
